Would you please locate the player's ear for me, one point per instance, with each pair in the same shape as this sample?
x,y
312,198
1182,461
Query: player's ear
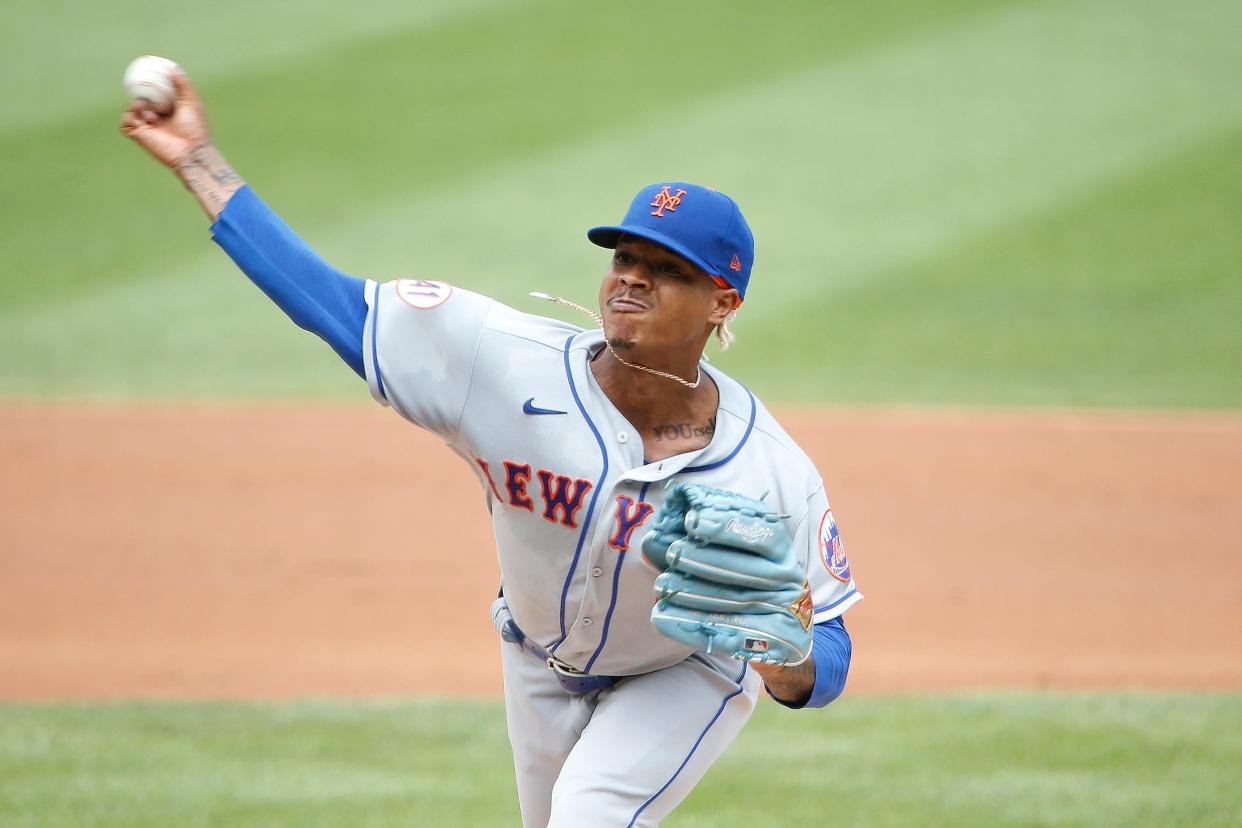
x,y
724,302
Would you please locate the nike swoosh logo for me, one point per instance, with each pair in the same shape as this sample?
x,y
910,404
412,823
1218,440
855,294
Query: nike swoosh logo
x,y
529,407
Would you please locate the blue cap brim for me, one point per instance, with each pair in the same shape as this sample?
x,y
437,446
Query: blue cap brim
x,y
609,236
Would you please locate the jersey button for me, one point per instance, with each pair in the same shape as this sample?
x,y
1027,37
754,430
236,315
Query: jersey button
x,y
597,572
586,622
622,437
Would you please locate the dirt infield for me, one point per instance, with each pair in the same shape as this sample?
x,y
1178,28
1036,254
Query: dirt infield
x,y
215,551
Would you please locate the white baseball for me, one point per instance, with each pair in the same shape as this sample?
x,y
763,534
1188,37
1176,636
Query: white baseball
x,y
149,78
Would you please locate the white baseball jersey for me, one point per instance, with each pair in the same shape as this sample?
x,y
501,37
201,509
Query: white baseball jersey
x,y
570,496
566,483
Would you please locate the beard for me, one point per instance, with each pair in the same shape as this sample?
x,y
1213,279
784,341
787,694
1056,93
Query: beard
x,y
618,343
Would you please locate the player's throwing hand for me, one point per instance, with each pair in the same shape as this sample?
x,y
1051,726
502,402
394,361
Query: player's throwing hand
x,y
181,140
169,138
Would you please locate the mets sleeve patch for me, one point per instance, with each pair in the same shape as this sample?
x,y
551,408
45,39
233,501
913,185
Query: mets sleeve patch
x,y
832,549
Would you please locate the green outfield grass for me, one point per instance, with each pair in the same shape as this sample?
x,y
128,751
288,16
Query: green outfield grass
x,y
1130,295
965,201
979,760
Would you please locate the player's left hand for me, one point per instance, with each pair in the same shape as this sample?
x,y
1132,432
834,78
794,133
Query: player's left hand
x,y
731,582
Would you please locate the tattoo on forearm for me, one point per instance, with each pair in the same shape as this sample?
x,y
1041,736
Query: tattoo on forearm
x,y
225,176
208,175
684,431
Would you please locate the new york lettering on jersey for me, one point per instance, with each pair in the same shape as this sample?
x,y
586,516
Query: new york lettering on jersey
x,y
561,497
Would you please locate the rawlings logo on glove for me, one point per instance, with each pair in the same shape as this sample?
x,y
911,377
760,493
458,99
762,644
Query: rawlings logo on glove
x,y
750,532
731,581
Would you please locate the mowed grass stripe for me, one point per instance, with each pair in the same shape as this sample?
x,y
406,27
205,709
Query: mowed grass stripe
x,y
203,764
417,112
1006,759
62,60
1128,296
936,140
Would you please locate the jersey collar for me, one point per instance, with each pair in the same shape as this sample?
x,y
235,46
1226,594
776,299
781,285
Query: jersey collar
x,y
735,416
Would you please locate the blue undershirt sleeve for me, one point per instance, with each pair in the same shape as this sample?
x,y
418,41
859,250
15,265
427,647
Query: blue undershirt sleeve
x,y
315,295
831,648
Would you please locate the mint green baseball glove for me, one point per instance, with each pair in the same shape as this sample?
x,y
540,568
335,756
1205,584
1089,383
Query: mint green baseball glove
x,y
731,581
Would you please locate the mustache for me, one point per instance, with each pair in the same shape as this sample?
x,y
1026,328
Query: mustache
x,y
629,297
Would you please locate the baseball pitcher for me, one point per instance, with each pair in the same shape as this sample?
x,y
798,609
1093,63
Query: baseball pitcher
x,y
665,548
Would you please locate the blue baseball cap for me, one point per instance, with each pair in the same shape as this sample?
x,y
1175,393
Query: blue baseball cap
x,y
696,223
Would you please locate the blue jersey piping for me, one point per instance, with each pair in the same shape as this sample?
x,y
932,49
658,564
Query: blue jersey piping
x,y
837,602
616,581
693,747
379,379
749,428
586,523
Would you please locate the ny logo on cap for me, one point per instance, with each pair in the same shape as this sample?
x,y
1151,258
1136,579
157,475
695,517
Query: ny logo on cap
x,y
665,200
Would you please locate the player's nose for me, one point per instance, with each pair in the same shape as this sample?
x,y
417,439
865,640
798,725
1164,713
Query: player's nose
x,y
636,277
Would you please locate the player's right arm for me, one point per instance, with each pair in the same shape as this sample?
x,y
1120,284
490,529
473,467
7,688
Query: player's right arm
x,y
418,362
315,295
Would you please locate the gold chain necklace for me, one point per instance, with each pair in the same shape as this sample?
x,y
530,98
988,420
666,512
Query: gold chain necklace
x,y
599,320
